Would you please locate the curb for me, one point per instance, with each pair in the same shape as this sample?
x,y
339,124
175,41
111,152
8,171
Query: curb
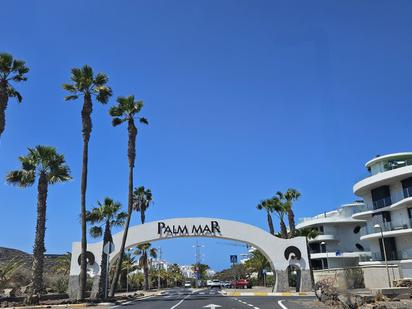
x,y
283,294
49,306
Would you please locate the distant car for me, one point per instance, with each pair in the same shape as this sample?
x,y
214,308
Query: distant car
x,y
215,284
241,284
226,284
188,284
208,283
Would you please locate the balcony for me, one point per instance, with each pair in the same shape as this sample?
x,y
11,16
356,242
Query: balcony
x,y
391,255
394,164
389,226
384,202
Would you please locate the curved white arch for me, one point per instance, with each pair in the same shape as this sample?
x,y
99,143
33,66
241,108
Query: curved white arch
x,y
272,247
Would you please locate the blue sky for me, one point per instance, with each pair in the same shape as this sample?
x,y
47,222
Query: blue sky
x,y
244,98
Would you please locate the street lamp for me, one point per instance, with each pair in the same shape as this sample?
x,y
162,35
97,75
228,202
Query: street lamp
x,y
377,226
326,251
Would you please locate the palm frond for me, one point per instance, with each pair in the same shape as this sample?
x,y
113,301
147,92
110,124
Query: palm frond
x,y
96,231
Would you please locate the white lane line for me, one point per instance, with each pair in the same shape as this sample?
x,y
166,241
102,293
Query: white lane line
x,y
250,305
256,308
179,303
282,305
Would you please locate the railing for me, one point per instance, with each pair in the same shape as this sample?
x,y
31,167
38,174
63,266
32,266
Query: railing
x,y
391,256
362,208
386,201
407,192
394,164
389,226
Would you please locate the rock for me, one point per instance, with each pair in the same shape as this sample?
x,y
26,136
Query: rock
x,y
351,301
9,292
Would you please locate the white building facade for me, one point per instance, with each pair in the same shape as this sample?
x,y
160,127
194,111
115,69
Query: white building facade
x,y
387,192
338,243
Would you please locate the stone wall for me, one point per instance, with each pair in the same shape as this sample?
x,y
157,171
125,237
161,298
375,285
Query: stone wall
x,y
366,276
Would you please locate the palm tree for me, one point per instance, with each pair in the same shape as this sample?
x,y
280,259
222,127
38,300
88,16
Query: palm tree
x,y
106,214
290,196
86,85
280,209
257,263
144,251
267,205
44,163
129,264
125,111
142,198
11,70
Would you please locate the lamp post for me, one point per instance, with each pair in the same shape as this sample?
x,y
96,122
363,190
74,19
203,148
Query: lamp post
x,y
377,226
326,251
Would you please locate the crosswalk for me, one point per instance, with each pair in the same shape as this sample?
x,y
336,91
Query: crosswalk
x,y
169,294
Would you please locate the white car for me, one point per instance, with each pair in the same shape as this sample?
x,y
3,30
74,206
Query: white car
x,y
188,284
215,284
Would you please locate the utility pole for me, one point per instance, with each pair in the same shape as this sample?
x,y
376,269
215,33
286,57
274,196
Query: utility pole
x,y
159,261
198,258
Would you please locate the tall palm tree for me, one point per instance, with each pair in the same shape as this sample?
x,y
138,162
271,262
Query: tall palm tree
x,y
87,85
11,70
290,196
49,167
280,209
144,251
142,198
267,205
125,111
106,214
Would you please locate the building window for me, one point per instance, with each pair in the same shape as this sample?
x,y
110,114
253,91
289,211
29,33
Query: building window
x,y
356,229
410,213
360,247
390,246
381,197
407,187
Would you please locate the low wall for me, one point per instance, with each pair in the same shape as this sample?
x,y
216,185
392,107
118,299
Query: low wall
x,y
366,276
376,276
344,278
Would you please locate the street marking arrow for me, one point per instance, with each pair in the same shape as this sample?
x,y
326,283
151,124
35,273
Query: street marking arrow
x,y
212,306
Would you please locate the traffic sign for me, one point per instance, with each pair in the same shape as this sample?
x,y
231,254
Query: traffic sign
x,y
108,248
233,259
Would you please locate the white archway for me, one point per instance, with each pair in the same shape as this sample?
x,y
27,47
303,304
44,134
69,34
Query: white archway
x,y
280,252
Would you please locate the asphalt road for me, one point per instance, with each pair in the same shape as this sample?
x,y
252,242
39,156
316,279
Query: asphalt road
x,y
188,299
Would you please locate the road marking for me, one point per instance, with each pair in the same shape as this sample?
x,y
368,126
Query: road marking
x,y
282,305
175,306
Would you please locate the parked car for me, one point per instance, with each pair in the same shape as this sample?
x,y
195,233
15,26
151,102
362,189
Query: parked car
x,y
208,283
188,284
226,284
215,284
241,284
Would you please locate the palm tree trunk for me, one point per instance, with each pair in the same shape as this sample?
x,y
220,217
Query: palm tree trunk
x,y
283,230
103,265
39,249
292,225
131,152
145,272
86,130
4,98
142,216
270,223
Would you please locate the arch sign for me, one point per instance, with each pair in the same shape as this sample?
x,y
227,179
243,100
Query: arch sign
x,y
281,253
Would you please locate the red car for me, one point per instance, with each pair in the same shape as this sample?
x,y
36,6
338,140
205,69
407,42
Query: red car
x,y
241,284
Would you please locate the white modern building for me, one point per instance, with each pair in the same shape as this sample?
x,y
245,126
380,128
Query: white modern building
x,y
338,243
387,192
